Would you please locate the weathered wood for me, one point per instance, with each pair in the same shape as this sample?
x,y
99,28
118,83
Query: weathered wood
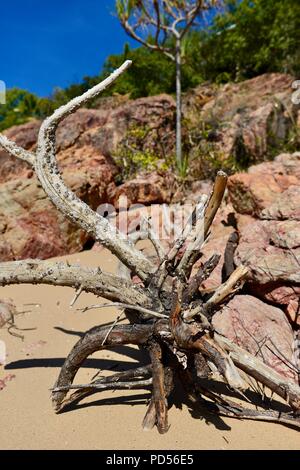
x,y
173,322
150,420
92,280
228,265
260,371
13,149
203,273
66,201
239,412
158,392
124,376
91,342
227,288
192,251
146,224
147,311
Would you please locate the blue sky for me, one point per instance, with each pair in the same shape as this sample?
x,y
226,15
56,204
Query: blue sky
x,y
55,43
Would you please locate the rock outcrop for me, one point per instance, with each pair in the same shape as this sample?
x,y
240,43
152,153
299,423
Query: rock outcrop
x,y
242,120
254,192
261,329
152,188
30,226
270,236
263,206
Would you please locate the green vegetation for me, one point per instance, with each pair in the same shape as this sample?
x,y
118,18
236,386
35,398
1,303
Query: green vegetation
x,y
21,106
135,154
251,38
244,40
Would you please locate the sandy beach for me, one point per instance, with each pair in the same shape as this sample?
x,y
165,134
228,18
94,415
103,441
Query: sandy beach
x,y
106,420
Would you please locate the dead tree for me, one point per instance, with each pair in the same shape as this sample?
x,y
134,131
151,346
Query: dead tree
x,y
168,315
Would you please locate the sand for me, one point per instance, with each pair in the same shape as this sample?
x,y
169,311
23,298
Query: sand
x,y
107,420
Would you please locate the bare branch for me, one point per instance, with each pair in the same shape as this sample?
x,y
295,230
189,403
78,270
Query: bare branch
x,y
191,17
159,393
215,200
129,306
13,149
202,274
195,217
191,226
133,385
138,373
234,410
228,287
61,274
67,202
91,342
149,420
64,199
156,47
260,371
153,237
192,252
222,360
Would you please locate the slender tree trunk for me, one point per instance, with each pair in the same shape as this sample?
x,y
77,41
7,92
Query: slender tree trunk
x,y
178,104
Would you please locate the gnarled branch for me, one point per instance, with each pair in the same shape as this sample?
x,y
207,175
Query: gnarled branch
x,y
91,342
13,149
62,274
64,199
261,372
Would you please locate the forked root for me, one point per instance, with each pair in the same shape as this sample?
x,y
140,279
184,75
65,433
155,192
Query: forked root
x,y
90,343
132,379
160,374
185,337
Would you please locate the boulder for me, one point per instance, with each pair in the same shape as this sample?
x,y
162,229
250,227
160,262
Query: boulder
x,y
251,193
25,136
261,329
286,206
220,231
153,188
284,295
156,114
283,164
264,184
30,226
271,249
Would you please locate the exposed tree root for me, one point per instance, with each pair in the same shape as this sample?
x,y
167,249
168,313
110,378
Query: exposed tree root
x,y
90,343
170,317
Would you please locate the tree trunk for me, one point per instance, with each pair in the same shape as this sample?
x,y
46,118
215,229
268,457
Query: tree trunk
x,y
178,104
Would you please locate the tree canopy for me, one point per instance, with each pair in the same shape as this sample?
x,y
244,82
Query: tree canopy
x,y
251,38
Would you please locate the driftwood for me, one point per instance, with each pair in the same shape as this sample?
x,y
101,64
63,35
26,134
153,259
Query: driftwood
x,y
168,315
